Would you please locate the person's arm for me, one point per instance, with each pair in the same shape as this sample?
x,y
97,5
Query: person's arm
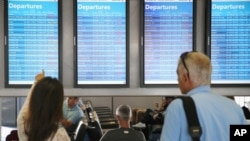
x,y
66,123
22,116
74,118
24,108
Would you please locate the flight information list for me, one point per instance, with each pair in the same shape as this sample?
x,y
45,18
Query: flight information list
x,y
101,42
32,39
168,31
230,41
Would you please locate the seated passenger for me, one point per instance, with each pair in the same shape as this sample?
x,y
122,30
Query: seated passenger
x,y
123,114
137,114
72,114
156,116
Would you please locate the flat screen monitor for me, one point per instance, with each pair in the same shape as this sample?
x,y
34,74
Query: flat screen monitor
x,y
167,31
101,43
229,42
32,40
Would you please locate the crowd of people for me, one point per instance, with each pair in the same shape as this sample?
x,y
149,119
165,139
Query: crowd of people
x,y
47,116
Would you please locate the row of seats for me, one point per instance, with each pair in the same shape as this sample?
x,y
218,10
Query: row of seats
x,y
87,132
106,117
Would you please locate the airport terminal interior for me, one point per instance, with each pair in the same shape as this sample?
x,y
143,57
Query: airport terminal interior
x,y
133,87
10,107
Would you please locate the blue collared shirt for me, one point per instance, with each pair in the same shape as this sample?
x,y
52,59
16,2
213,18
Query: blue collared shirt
x,y
215,112
74,115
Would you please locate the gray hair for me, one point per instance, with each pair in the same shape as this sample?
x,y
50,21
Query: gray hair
x,y
124,111
199,67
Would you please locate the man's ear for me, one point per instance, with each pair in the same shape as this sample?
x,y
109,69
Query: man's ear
x,y
185,77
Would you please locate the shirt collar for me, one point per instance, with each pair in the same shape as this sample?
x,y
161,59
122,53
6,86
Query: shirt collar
x,y
73,108
199,89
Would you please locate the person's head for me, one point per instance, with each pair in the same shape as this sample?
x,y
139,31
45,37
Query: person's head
x,y
124,113
194,69
72,101
45,109
166,100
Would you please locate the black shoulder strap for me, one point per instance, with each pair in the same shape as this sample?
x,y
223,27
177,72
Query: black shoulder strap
x,y
192,118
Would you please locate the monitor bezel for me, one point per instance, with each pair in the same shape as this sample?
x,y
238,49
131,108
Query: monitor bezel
x,y
142,59
76,85
6,45
208,20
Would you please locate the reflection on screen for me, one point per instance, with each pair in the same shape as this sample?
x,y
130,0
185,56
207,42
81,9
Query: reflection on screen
x,y
101,42
168,31
32,39
230,41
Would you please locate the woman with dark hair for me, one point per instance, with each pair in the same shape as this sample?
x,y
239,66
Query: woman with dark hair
x,y
39,118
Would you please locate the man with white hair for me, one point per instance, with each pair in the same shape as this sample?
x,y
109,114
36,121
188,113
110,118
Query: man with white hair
x,y
124,132
215,112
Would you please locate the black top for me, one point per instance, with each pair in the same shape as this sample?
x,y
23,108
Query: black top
x,y
123,134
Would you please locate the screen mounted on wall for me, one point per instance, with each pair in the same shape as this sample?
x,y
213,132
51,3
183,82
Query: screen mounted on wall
x,y
167,31
32,39
229,23
101,39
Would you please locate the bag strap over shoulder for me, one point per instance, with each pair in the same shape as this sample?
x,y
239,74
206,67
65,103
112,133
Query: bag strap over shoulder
x,y
193,122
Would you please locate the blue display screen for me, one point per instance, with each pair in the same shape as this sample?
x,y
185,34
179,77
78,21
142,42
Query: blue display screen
x,y
168,32
101,42
32,40
230,41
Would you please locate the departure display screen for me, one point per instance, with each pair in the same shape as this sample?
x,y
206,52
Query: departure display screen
x,y
167,32
32,39
230,41
101,42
